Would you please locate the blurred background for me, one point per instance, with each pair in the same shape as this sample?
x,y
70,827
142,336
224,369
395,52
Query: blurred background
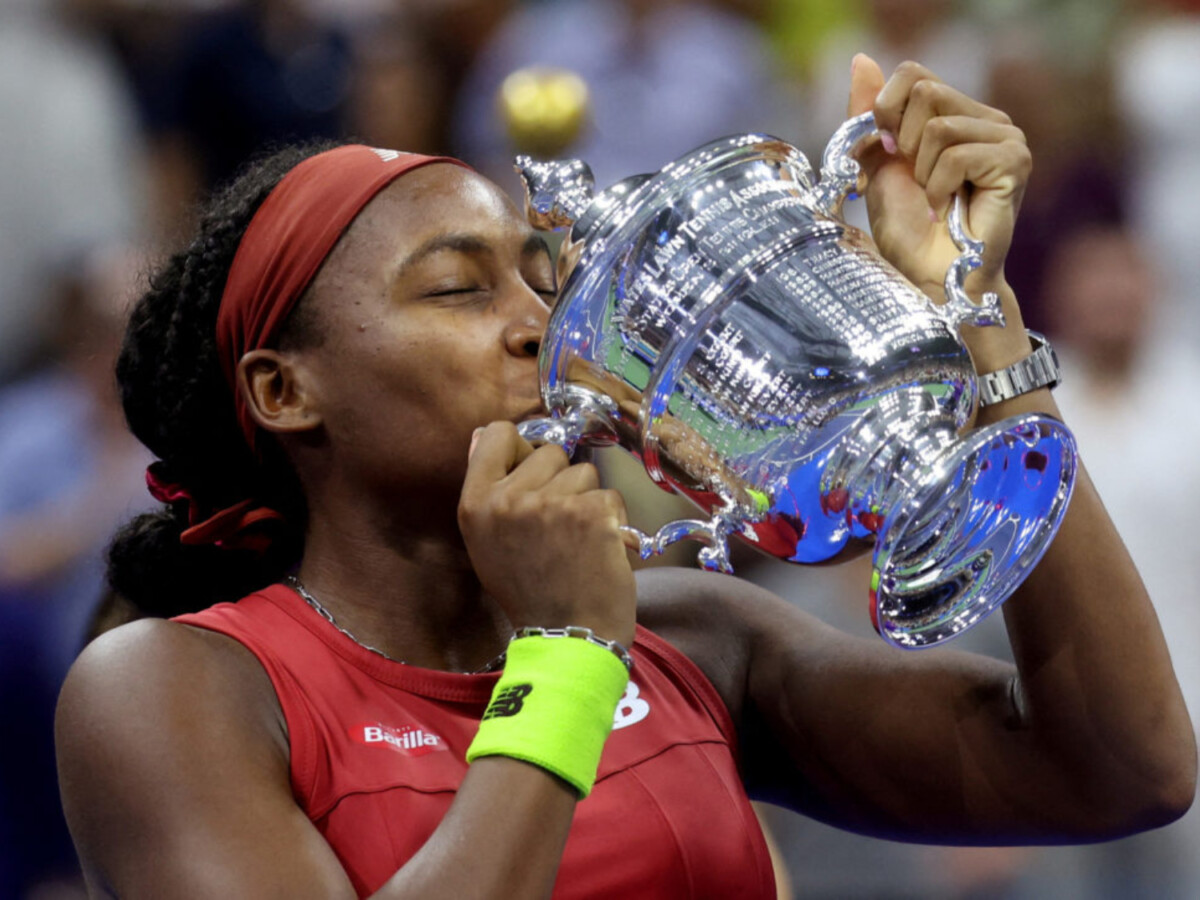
x,y
117,116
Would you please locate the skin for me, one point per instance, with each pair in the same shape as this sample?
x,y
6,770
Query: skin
x,y
1085,739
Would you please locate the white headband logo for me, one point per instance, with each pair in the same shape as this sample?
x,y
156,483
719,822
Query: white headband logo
x,y
386,155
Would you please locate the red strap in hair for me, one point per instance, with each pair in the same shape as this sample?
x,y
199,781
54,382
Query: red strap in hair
x,y
289,238
231,528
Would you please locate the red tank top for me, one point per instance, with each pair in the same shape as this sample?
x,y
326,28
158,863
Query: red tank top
x,y
377,753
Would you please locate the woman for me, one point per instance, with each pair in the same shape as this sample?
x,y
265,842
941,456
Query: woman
x,y
274,751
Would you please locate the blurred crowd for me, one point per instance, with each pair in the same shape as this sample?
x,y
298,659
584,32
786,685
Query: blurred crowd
x,y
117,116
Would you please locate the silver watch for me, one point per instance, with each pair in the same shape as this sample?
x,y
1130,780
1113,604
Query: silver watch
x,y
1039,369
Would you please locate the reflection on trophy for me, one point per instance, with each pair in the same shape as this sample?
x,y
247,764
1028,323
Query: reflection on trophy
x,y
722,322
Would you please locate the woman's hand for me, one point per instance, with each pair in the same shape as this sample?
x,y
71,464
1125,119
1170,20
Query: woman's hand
x,y
544,538
936,141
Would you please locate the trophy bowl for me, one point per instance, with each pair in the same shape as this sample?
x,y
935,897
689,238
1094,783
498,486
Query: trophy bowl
x,y
722,322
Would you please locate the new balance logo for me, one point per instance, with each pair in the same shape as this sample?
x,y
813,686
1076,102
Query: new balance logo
x,y
508,702
631,709
411,740
385,155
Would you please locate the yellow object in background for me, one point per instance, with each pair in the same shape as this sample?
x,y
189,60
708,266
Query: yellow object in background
x,y
544,109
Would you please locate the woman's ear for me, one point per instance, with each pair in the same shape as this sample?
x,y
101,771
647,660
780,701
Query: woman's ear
x,y
277,391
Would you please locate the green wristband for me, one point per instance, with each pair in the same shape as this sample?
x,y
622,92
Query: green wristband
x,y
553,707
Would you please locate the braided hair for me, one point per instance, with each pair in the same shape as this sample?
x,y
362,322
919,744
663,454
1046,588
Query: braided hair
x,y
178,404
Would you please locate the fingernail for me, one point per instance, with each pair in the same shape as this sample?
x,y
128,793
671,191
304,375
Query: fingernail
x,y
854,65
474,441
888,140
933,216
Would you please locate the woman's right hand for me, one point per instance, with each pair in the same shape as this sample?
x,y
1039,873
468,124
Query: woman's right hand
x,y
544,537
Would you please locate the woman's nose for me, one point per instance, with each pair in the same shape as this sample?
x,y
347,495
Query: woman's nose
x,y
524,336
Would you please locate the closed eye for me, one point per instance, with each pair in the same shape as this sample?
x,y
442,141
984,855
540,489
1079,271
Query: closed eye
x,y
454,291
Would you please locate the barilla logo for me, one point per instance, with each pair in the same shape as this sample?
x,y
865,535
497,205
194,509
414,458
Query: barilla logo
x,y
411,740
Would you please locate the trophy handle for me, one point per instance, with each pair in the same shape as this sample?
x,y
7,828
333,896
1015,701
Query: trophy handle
x,y
839,168
564,431
590,417
839,177
714,534
581,415
959,308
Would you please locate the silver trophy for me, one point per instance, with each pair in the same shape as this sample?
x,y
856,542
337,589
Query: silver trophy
x,y
721,321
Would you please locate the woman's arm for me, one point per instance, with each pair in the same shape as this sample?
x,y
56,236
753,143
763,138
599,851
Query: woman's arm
x,y
1087,738
173,761
1096,687
939,745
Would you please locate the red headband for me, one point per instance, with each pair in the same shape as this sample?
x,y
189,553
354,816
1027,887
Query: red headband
x,y
288,239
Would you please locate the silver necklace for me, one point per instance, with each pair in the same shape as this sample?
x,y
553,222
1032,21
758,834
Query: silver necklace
x,y
297,585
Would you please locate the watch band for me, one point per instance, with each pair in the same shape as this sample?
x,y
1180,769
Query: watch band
x,y
1037,370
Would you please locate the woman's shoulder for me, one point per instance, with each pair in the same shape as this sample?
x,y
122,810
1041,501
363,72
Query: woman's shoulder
x,y
154,674
681,601
692,604
164,650
161,729
717,621
210,645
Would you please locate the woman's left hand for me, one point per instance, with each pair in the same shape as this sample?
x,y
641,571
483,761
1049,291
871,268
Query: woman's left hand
x,y
934,142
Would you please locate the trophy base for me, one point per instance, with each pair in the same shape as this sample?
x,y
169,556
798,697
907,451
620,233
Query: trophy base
x,y
983,516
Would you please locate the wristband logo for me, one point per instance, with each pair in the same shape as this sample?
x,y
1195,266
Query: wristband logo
x,y
508,702
409,740
631,708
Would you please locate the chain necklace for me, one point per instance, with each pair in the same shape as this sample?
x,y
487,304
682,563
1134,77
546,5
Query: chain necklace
x,y
297,585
